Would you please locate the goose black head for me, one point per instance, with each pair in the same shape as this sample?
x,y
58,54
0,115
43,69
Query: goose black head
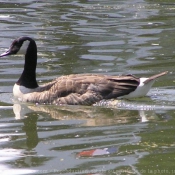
x,y
18,46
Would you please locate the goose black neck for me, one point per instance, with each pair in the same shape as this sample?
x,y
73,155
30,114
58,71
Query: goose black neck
x,y
28,77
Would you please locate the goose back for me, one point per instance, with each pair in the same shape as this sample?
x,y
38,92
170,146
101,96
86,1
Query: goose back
x,y
83,89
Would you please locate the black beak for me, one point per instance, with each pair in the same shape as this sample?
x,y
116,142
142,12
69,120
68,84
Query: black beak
x,y
8,52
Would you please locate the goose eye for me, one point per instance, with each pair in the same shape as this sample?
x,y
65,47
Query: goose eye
x,y
14,49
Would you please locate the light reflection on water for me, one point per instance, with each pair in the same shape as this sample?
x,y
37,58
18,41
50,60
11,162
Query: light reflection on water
x,y
96,37
58,140
47,139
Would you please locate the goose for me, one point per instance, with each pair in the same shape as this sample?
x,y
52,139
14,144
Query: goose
x,y
74,89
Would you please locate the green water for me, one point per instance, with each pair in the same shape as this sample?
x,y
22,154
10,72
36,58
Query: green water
x,y
109,37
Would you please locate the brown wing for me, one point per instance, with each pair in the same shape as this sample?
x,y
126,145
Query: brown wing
x,y
86,89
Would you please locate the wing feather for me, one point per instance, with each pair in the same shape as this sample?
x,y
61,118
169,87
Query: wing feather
x,y
85,89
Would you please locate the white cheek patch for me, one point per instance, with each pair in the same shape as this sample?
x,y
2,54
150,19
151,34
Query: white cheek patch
x,y
24,47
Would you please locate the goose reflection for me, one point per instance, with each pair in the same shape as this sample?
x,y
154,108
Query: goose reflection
x,y
30,128
83,116
51,126
87,116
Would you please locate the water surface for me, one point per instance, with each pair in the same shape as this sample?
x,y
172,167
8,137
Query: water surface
x,y
110,37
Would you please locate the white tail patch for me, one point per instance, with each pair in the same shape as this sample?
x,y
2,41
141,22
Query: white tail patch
x,y
24,47
141,90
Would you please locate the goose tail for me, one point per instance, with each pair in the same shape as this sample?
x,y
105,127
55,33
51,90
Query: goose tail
x,y
154,77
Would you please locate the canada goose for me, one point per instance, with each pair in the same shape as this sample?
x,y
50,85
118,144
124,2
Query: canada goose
x,y
76,89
